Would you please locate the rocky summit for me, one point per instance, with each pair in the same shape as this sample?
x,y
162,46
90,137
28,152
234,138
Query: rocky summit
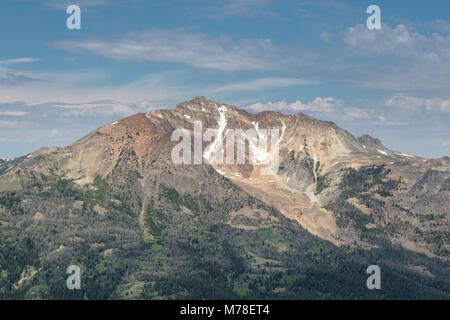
x,y
141,226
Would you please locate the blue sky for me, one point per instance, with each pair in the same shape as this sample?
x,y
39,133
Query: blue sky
x,y
317,57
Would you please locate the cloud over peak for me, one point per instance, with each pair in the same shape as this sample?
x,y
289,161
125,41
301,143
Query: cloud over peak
x,y
325,105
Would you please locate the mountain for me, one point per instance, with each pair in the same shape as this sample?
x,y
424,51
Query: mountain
x,y
140,225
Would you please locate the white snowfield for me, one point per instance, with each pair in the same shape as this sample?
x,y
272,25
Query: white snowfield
x,y
282,132
382,152
260,154
257,144
216,145
220,172
407,155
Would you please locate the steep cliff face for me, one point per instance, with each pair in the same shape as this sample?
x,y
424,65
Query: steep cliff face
x,y
352,192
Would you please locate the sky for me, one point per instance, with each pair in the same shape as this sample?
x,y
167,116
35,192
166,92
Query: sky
x,y
315,57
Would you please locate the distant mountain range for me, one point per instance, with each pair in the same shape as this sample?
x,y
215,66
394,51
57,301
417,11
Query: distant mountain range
x,y
143,227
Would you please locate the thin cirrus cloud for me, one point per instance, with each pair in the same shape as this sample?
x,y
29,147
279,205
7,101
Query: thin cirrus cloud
x,y
262,84
10,77
103,108
397,55
18,60
13,113
193,49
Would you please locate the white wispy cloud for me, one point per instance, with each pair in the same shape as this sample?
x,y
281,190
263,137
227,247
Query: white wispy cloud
x,y
262,84
18,60
13,113
328,108
385,41
400,59
354,113
325,105
194,49
105,108
10,77
411,103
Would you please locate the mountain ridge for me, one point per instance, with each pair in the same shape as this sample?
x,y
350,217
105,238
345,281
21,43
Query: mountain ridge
x,y
344,194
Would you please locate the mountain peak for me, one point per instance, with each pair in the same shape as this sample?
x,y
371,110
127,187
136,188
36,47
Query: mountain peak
x,y
199,101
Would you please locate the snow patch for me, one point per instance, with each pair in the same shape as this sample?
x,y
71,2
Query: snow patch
x,y
220,172
217,144
407,155
187,117
260,155
282,132
382,152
